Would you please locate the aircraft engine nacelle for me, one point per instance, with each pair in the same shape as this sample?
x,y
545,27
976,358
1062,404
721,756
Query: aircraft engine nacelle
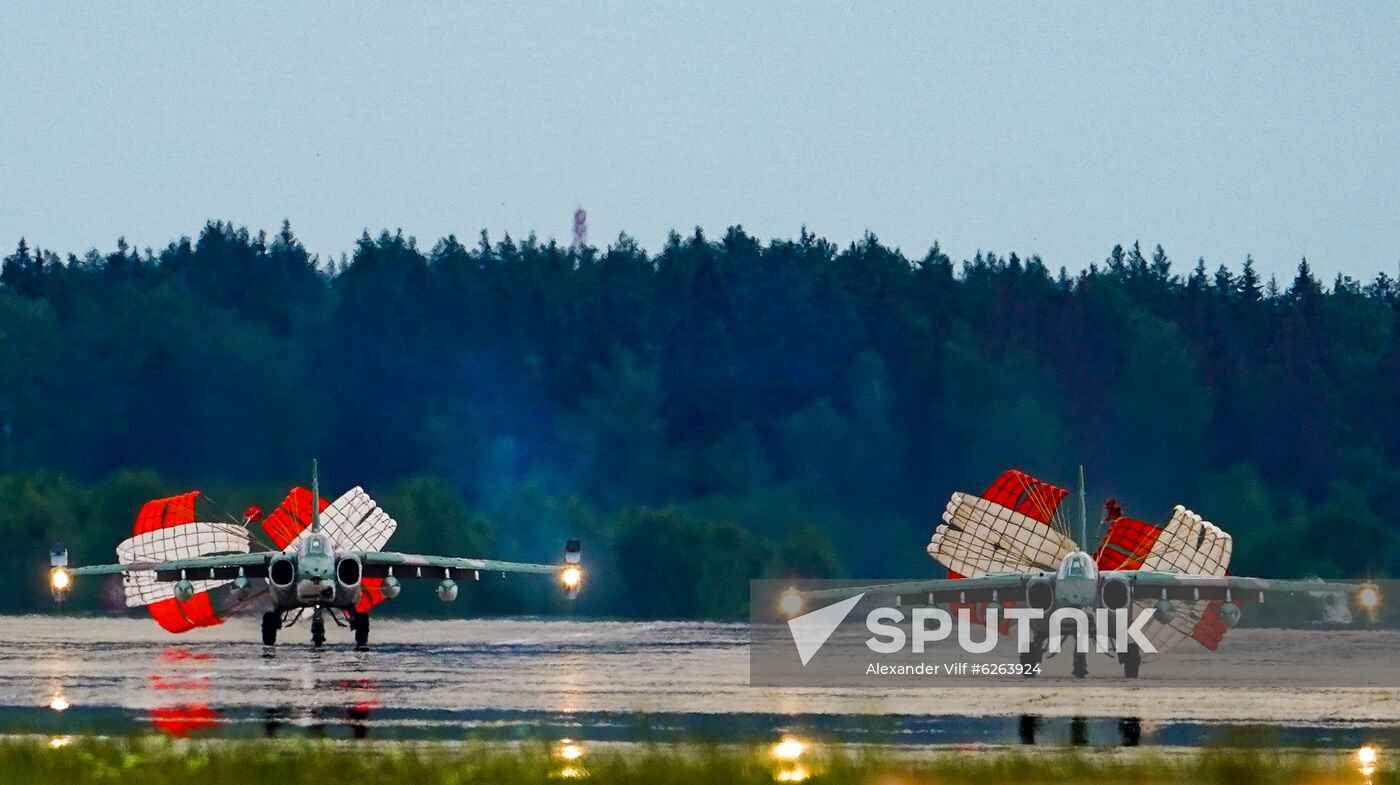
x,y
1040,593
1229,614
282,577
1115,593
1164,611
184,590
348,572
391,587
447,590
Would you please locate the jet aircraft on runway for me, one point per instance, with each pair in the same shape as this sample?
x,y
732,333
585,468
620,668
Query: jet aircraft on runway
x,y
1012,545
328,560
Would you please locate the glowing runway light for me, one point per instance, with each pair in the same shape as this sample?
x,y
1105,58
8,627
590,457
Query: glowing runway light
x,y
1369,597
58,742
794,774
569,749
60,579
790,748
571,752
790,603
59,703
1367,756
571,577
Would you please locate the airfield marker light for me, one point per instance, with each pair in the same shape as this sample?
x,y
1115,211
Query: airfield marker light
x,y
1367,756
790,603
794,774
59,742
789,749
59,703
1369,597
571,577
571,752
569,749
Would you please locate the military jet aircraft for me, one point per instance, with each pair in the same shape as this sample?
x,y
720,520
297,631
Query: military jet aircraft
x,y
327,559
1012,545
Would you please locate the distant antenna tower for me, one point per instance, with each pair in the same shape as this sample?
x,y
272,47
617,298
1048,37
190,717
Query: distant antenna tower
x,y
580,228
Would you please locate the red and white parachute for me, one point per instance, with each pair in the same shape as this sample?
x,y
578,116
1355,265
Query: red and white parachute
x,y
1015,526
1186,544
354,522
168,529
1009,528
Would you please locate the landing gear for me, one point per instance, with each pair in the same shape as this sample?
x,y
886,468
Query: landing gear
x,y
271,623
359,623
318,628
1081,665
1030,660
1132,660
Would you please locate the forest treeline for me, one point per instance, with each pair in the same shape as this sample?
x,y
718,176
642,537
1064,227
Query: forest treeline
x,y
718,410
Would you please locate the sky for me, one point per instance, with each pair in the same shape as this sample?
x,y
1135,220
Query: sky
x,y
1215,129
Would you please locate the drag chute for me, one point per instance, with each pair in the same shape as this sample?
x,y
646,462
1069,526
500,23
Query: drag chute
x,y
167,530
1010,528
291,518
354,522
1188,545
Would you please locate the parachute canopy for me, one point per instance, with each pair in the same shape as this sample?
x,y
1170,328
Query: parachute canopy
x,y
1186,544
354,522
166,530
1007,529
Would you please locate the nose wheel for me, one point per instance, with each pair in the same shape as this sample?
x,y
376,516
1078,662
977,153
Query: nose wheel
x,y
318,628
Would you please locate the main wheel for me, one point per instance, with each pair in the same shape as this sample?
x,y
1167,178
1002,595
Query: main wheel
x,y
1081,665
271,623
318,631
1032,658
1132,661
359,622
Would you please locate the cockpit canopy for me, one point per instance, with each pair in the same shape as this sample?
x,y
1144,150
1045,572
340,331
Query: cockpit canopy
x,y
1078,565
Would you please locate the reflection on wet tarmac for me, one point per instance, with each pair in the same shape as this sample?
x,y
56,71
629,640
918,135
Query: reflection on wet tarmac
x,y
1029,727
549,680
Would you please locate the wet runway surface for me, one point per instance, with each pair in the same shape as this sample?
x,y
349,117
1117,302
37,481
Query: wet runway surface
x,y
621,681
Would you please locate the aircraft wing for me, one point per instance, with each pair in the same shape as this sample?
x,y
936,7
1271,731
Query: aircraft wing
x,y
1176,586
988,588
253,565
412,565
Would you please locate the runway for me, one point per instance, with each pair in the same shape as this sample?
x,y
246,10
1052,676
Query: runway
x,y
626,681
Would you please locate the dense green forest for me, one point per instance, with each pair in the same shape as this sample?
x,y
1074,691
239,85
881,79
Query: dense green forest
x,y
719,410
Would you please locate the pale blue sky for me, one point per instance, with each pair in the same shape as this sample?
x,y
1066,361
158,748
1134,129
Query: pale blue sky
x,y
1216,129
